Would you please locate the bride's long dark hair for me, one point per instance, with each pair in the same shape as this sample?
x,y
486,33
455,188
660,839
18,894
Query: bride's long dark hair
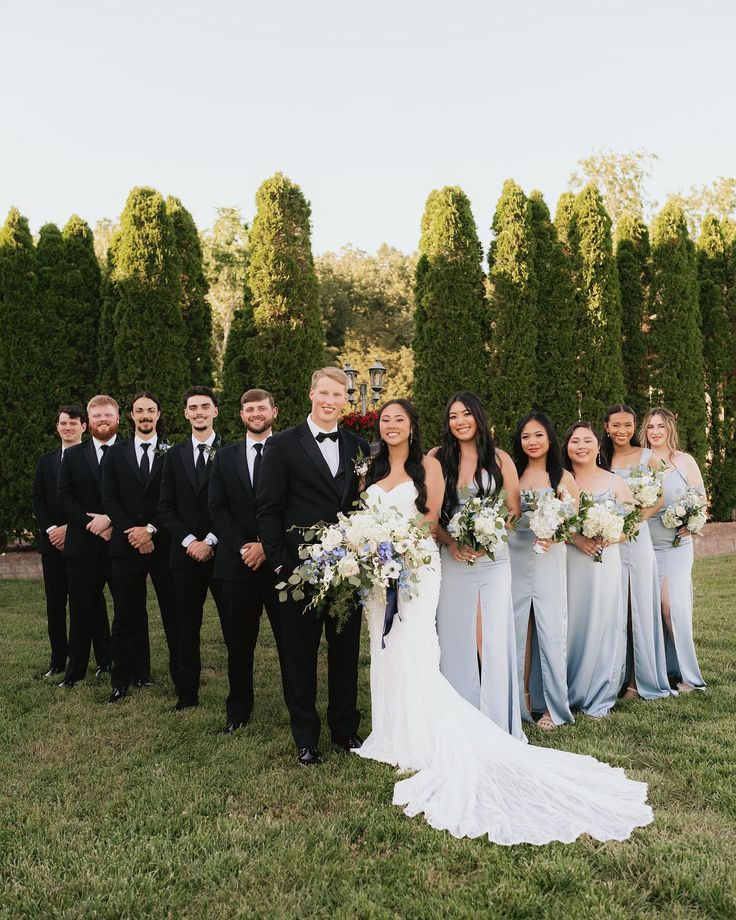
x,y
449,452
381,466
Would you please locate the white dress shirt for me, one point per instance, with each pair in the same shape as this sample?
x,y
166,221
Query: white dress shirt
x,y
251,453
330,449
151,450
190,538
99,444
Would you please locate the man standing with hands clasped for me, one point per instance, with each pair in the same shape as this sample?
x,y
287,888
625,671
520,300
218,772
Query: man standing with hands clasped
x,y
248,585
183,510
309,476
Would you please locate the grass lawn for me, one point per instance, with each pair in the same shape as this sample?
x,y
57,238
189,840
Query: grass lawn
x,y
136,811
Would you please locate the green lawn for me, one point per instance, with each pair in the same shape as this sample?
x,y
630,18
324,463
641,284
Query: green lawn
x,y
136,811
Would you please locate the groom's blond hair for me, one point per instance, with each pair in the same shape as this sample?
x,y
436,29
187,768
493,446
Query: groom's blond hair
x,y
334,373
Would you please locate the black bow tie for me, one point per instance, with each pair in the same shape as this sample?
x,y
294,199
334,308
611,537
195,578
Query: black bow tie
x,y
326,435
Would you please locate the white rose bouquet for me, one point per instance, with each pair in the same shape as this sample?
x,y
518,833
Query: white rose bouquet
x,y
371,547
551,517
600,519
687,511
481,523
647,485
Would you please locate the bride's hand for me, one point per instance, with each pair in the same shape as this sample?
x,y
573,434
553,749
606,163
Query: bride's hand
x,y
459,553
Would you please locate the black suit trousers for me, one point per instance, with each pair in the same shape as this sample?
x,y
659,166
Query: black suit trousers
x,y
55,587
302,633
191,587
88,623
130,622
243,603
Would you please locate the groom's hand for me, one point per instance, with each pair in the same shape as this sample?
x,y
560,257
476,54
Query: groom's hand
x,y
252,555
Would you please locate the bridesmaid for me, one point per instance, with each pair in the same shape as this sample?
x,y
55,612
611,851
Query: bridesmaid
x,y
646,660
674,563
596,625
475,616
539,581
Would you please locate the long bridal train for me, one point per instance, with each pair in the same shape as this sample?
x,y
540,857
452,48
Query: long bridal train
x,y
473,779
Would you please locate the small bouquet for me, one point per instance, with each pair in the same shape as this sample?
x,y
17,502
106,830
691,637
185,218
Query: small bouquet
x,y
480,523
647,485
551,517
688,511
602,519
371,547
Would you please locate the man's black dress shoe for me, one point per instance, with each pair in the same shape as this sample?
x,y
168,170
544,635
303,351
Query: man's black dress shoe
x,y
308,757
351,743
103,670
143,682
66,684
181,706
52,672
232,727
119,693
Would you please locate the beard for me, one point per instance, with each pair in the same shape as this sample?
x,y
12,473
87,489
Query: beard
x,y
104,435
258,427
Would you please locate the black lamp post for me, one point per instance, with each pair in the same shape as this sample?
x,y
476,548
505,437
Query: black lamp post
x,y
376,373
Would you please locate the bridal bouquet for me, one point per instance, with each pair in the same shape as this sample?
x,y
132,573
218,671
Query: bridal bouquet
x,y
551,517
480,523
647,485
371,547
688,511
601,519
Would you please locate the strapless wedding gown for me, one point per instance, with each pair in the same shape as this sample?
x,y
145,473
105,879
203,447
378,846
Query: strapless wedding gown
x,y
472,778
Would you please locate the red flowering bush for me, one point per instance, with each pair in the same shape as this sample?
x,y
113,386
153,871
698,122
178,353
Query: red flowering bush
x,y
366,426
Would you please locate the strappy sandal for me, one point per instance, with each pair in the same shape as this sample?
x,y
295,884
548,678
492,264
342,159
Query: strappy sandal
x,y
631,693
545,722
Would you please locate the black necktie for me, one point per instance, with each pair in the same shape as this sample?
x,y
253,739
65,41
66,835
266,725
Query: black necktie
x,y
145,462
103,448
326,435
201,466
257,464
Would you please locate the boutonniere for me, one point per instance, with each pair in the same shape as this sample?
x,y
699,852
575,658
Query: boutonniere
x,y
361,464
161,448
211,449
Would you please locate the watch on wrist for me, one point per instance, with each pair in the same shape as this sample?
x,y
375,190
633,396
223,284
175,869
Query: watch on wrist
x,y
209,541
151,529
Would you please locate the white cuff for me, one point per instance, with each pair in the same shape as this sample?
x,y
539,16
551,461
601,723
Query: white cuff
x,y
190,538
53,527
212,539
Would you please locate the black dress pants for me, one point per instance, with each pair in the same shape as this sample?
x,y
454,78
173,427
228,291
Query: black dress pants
x,y
55,587
243,603
191,586
130,621
88,624
302,633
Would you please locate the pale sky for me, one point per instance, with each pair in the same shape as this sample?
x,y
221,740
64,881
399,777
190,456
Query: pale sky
x,y
368,106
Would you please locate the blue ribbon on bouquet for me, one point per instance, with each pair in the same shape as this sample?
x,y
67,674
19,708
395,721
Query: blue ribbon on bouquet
x,y
392,609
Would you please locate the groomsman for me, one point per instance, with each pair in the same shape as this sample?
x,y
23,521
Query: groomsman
x,y
247,583
139,545
71,423
183,511
86,542
309,476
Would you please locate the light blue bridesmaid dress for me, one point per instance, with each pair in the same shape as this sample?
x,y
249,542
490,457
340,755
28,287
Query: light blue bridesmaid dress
x,y
491,686
596,628
640,587
674,565
539,582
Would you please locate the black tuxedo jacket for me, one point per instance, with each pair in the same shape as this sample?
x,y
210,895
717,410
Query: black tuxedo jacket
x,y
128,501
296,488
45,505
182,504
79,491
232,506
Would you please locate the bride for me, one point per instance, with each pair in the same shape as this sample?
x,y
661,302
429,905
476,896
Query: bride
x,y
472,778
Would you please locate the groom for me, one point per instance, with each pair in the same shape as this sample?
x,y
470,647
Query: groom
x,y
308,476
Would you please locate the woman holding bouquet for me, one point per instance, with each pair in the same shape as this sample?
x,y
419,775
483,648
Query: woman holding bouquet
x,y
539,578
470,777
475,615
673,548
596,626
646,661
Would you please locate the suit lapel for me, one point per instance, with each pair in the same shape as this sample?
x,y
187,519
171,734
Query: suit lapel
x,y
348,453
241,465
132,459
55,463
310,446
90,454
187,459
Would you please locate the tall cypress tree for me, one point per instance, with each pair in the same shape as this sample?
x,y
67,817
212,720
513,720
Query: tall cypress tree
x,y
512,293
195,308
57,331
288,344
235,369
600,378
632,262
451,323
82,283
564,218
149,335
107,378
719,358
22,357
676,340
557,320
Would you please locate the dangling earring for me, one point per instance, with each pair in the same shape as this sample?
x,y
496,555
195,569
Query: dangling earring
x,y
411,437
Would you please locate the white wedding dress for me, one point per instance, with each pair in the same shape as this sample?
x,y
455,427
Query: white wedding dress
x,y
472,778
